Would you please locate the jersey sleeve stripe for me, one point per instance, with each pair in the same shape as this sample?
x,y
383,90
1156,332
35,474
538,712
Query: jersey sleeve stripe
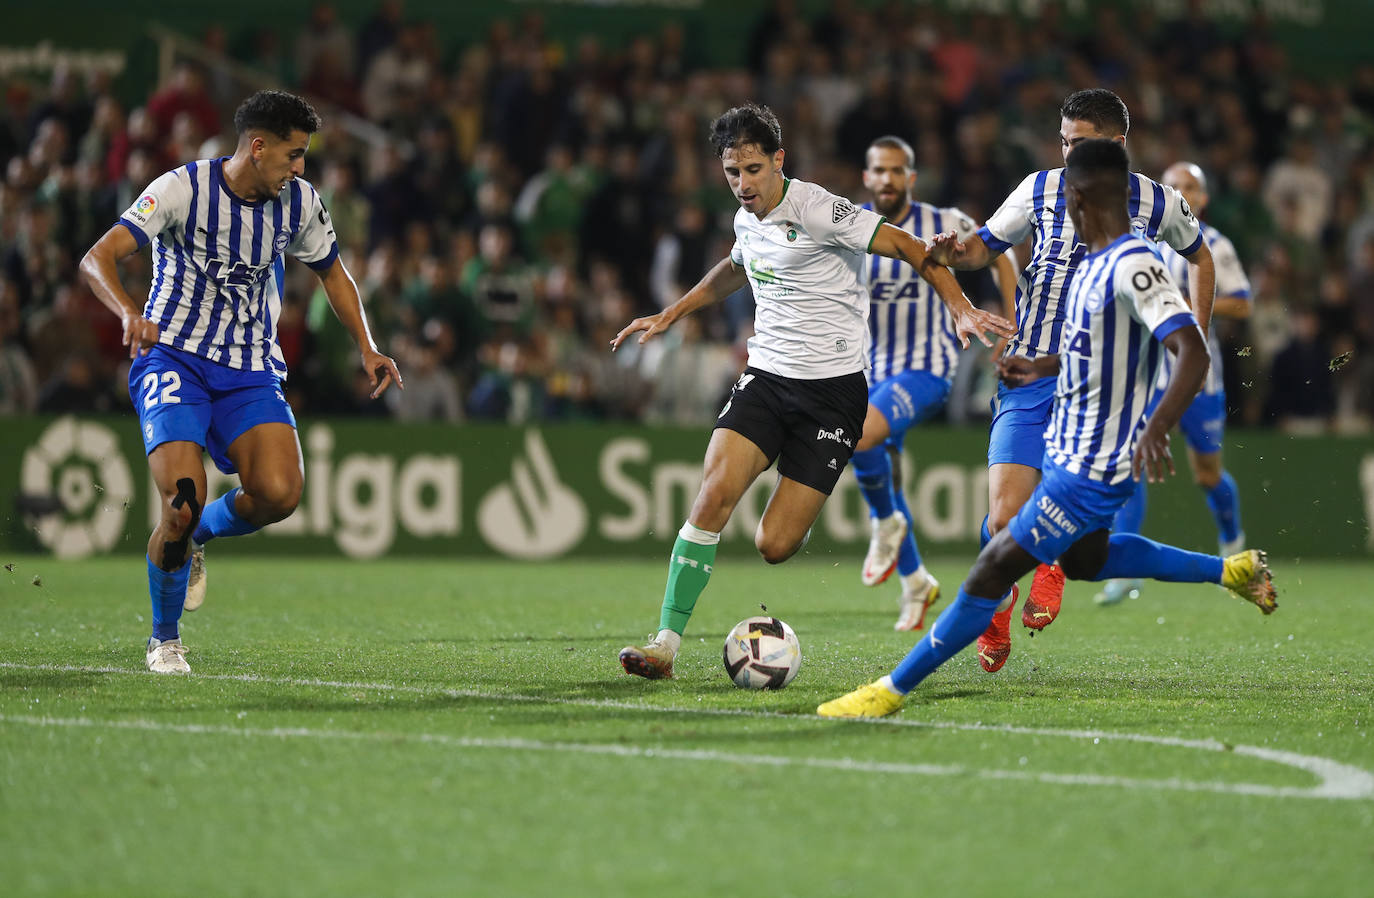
x,y
1173,323
325,263
874,235
1157,210
139,237
1193,247
993,243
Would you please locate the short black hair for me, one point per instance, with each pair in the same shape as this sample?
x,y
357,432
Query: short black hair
x,y
893,142
1100,169
278,112
1101,108
745,125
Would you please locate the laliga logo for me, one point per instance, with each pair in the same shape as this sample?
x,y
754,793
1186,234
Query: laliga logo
x,y
535,516
79,464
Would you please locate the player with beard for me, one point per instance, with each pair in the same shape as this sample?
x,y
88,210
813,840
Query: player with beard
x,y
913,352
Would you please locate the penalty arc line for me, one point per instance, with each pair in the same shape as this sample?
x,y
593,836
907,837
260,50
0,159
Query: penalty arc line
x,y
1336,780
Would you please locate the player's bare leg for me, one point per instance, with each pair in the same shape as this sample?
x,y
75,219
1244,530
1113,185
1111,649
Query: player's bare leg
x,y
272,471
177,470
733,463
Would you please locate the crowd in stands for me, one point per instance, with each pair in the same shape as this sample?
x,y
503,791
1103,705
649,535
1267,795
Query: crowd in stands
x,y
533,195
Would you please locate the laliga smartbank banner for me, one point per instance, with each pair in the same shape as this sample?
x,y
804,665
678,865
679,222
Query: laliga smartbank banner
x,y
79,486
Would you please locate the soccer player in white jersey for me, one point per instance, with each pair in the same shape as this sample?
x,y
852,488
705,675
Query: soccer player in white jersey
x,y
208,371
912,357
802,397
1204,423
1036,208
1122,312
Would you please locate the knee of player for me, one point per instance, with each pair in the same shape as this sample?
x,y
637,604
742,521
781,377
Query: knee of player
x,y
278,496
1206,477
772,549
998,521
1076,568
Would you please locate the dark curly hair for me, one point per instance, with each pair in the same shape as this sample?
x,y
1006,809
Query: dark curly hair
x,y
745,125
1099,107
278,112
1099,167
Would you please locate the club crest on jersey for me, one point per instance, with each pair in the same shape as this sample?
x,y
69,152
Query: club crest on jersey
x,y
1138,224
280,242
791,232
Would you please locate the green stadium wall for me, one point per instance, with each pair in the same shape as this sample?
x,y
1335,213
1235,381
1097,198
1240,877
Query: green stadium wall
x,y
79,486
1321,36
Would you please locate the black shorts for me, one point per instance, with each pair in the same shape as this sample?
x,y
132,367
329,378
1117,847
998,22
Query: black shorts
x,y
809,426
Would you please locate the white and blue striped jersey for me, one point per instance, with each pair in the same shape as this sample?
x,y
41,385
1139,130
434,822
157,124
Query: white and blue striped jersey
x,y
1037,207
909,325
218,261
1231,283
1121,304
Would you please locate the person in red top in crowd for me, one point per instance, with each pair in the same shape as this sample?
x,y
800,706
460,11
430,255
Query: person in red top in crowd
x,y
185,92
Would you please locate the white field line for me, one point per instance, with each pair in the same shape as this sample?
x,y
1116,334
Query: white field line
x,y
1336,780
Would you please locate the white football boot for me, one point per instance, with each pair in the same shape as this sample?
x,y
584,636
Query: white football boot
x,y
195,583
883,547
919,591
166,656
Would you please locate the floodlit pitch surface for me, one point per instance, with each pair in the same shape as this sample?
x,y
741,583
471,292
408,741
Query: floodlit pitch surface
x,y
463,728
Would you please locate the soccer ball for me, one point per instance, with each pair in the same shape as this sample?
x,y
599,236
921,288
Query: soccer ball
x,y
762,653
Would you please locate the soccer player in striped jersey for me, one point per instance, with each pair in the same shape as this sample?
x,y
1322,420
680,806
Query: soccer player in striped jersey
x,y
1121,313
1037,209
912,356
208,371
1205,420
802,398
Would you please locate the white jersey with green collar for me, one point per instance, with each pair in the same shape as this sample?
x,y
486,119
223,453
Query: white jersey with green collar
x,y
804,261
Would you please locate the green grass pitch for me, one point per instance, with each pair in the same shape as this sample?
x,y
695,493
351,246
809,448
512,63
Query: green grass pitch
x,y
463,728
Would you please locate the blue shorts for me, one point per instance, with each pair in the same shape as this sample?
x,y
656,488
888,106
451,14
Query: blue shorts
x,y
1065,508
907,399
1019,419
180,396
1203,422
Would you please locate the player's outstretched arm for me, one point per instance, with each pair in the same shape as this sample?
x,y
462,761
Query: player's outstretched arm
x,y
723,279
343,296
100,267
1152,452
1202,275
965,255
1004,273
969,320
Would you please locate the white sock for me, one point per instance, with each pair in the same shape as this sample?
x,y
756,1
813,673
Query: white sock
x,y
917,578
698,536
669,640
886,683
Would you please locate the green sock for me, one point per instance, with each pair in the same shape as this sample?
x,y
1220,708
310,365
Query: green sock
x,y
689,567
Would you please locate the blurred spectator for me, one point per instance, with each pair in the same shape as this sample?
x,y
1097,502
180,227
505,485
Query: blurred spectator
x,y
18,380
1297,192
185,92
431,392
324,38
1301,398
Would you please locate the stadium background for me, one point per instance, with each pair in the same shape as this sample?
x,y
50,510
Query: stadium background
x,y
512,182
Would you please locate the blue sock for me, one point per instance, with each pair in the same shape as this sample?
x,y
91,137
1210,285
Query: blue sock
x,y
961,623
220,519
167,589
1132,515
1129,555
873,470
984,535
1225,505
909,558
